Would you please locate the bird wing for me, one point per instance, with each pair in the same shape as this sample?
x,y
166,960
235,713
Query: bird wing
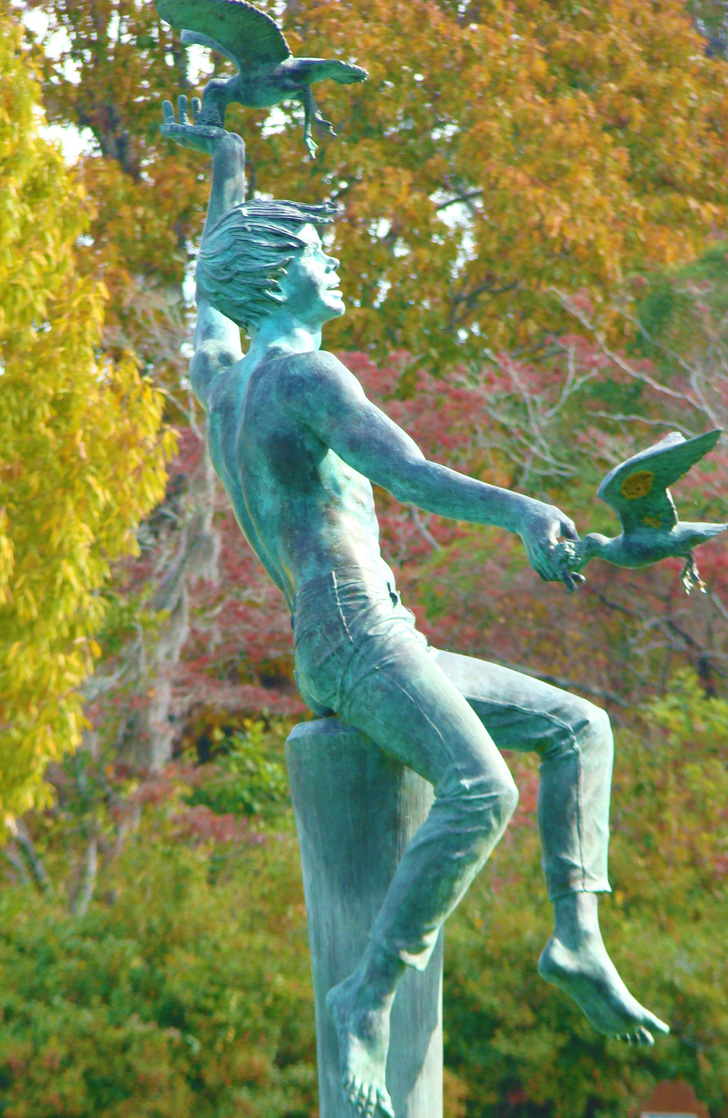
x,y
637,489
245,34
190,37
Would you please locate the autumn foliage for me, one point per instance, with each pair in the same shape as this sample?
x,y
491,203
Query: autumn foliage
x,y
499,151
533,220
82,455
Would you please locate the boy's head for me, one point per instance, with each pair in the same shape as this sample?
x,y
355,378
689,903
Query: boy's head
x,y
244,256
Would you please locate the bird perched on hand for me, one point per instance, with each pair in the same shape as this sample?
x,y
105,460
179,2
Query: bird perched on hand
x,y
637,491
267,71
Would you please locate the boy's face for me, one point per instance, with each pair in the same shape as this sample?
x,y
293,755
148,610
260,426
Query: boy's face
x,y
311,284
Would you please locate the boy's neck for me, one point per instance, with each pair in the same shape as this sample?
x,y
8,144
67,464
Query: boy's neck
x,y
283,333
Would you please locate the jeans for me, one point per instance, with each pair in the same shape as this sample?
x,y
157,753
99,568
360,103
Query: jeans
x,y
446,716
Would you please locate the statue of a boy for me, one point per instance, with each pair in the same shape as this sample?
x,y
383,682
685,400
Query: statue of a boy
x,y
297,444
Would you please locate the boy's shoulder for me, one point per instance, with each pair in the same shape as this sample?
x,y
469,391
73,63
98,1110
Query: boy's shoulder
x,y
314,370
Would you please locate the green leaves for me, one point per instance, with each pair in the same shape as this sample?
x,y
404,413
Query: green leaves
x,y
516,1042
249,778
190,997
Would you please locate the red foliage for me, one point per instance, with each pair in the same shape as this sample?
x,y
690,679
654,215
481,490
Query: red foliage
x,y
470,588
200,825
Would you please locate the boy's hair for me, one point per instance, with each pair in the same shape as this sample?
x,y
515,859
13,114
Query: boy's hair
x,y
247,251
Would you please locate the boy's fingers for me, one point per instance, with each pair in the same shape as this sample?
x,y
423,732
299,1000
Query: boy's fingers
x,y
168,112
182,103
196,107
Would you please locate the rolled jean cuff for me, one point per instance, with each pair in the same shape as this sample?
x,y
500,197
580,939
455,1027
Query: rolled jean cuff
x,y
579,884
418,960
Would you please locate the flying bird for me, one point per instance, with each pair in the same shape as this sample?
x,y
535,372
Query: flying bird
x,y
267,71
638,492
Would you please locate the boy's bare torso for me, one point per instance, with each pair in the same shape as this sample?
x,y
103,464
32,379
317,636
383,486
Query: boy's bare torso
x,y
304,511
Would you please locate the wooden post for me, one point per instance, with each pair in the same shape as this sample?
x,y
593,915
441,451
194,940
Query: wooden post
x,y
356,810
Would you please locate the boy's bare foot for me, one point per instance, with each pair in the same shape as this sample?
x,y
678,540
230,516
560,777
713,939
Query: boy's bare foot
x,y
576,960
361,1006
363,1030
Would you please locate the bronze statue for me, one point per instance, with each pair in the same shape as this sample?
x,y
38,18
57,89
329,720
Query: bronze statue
x,y
297,445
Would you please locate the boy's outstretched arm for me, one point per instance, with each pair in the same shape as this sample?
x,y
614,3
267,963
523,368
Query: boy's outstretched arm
x,y
329,400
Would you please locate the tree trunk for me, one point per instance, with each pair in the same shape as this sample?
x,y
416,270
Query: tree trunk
x,y
149,732
87,884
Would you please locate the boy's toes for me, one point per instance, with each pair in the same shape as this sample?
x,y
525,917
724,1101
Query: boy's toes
x,y
385,1105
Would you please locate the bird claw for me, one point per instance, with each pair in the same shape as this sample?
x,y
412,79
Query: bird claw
x,y
690,577
324,124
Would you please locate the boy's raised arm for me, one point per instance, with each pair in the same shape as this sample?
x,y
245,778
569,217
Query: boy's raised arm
x,y
217,338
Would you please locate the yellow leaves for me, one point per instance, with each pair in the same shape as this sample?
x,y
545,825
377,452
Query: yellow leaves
x,y
82,457
7,555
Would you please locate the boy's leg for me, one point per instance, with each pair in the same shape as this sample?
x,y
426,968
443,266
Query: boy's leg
x,y
574,741
395,693
410,708
357,653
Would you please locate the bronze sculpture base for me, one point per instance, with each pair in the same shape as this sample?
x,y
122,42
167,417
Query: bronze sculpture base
x,y
356,810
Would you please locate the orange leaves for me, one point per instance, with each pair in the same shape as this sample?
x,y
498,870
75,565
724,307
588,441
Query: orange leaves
x,y
575,144
484,161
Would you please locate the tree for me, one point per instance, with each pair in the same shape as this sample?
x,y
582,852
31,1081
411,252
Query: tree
x,y
108,79
82,456
484,181
496,150
501,149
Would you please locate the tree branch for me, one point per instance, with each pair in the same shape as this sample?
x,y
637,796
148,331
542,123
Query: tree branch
x,y
32,859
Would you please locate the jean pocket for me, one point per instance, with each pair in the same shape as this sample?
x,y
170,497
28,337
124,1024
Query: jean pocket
x,y
321,709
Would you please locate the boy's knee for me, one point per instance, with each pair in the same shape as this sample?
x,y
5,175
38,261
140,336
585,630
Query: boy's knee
x,y
596,731
508,798
490,809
